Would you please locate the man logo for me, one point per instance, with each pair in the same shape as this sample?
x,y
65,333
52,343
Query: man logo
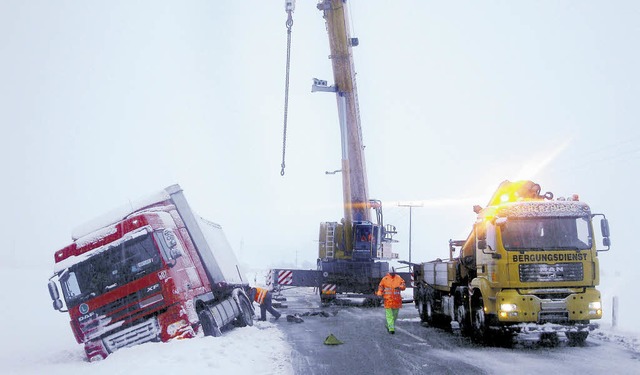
x,y
84,308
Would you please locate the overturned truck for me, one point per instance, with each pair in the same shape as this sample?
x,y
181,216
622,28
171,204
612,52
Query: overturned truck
x,y
153,271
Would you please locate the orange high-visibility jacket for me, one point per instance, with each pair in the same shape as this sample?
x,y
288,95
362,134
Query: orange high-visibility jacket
x,y
260,294
389,289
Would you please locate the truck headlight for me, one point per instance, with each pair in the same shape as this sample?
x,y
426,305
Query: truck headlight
x,y
174,327
595,305
508,309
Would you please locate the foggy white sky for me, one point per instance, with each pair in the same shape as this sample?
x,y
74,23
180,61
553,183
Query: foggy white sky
x,y
106,101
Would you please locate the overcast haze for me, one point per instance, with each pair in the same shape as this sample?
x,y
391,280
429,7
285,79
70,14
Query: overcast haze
x,y
102,102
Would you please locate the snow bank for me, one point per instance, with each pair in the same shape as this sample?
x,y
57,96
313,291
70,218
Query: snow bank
x,y
629,340
38,340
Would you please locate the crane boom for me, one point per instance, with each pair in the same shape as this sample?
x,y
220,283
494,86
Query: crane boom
x,y
354,174
348,251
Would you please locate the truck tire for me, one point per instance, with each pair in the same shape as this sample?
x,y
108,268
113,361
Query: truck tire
x,y
208,323
422,308
503,339
462,313
479,323
549,339
246,313
577,338
461,318
426,312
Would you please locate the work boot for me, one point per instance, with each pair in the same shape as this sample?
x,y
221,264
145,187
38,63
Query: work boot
x,y
277,317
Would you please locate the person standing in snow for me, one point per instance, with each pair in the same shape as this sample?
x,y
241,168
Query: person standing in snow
x,y
389,289
263,298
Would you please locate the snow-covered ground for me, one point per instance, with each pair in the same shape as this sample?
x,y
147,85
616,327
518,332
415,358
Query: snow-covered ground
x,y
38,340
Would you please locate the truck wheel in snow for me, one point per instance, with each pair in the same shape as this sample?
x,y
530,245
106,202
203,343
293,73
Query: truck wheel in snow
x,y
426,312
208,323
576,338
503,339
429,313
478,323
246,315
462,317
461,314
549,339
421,310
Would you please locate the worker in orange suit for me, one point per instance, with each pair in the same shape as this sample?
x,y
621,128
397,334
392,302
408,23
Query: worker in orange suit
x,y
389,289
263,298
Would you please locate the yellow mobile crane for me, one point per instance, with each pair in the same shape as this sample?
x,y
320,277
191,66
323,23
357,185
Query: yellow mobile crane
x,y
349,250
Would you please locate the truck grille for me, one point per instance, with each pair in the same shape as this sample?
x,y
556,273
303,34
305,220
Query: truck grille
x,y
133,306
553,317
148,330
553,311
551,272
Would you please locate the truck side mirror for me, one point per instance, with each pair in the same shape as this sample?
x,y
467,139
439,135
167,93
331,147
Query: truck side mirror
x,y
481,232
172,243
57,305
604,227
175,253
53,290
482,244
55,295
481,236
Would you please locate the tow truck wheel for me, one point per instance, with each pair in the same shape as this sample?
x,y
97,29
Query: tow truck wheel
x,y
462,319
422,310
478,323
208,323
246,315
427,314
549,339
576,338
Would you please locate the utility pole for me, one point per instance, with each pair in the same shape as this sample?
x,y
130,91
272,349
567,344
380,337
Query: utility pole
x,y
411,205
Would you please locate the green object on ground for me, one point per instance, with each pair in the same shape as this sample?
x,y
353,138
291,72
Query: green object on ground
x,y
332,340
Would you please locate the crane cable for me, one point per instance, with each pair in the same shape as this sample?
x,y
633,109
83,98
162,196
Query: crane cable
x,y
286,87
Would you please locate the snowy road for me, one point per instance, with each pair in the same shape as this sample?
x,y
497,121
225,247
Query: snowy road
x,y
367,348
38,340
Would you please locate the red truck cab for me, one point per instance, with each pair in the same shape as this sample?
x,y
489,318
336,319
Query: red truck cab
x,y
158,274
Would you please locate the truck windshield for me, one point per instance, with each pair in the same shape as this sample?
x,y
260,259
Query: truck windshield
x,y
547,233
109,269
